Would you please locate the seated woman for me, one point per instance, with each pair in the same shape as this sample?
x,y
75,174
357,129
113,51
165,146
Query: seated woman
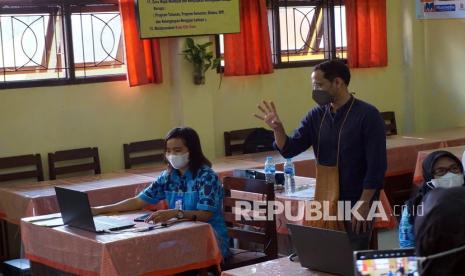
x,y
440,233
441,169
189,185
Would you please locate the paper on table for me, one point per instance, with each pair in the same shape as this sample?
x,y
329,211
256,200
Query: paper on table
x,y
52,222
308,193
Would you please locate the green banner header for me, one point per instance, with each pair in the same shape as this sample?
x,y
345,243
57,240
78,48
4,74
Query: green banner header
x,y
170,18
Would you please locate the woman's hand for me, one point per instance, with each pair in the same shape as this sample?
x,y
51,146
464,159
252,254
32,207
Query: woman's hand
x,y
162,216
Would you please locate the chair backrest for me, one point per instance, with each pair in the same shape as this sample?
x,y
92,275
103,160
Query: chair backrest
x,y
389,122
12,167
76,156
258,140
234,140
262,231
154,150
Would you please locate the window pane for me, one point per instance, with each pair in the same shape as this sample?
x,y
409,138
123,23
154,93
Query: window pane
x,y
340,31
97,43
302,33
304,30
30,47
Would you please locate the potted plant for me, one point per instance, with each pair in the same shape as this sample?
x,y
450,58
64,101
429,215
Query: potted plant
x,y
202,59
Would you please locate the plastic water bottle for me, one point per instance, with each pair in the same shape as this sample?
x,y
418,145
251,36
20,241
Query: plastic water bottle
x,y
289,173
270,170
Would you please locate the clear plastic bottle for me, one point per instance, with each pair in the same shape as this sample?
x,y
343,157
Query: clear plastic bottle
x,y
289,173
270,170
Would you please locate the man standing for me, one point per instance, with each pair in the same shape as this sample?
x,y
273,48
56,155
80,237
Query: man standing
x,y
348,138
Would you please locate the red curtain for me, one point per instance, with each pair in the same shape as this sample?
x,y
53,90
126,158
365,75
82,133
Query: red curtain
x,y
249,52
143,58
366,33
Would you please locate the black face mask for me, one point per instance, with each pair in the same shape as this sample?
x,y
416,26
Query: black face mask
x,y
322,97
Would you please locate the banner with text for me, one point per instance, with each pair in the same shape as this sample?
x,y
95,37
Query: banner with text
x,y
440,9
169,18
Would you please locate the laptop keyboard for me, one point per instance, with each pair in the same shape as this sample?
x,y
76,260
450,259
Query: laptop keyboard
x,y
107,223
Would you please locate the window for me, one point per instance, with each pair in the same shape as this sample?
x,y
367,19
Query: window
x,y
304,32
52,42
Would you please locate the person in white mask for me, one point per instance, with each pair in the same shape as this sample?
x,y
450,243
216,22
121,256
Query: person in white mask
x,y
190,187
441,169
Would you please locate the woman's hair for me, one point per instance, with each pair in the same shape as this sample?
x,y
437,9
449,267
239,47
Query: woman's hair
x,y
192,141
428,165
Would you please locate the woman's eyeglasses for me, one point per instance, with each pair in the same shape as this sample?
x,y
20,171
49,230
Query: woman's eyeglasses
x,y
442,171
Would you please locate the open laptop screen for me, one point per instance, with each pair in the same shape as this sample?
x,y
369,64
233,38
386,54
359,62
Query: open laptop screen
x,y
386,262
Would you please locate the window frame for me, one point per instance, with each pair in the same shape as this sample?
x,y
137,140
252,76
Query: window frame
x,y
67,8
329,35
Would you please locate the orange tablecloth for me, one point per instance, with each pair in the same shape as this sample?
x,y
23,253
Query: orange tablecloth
x,y
402,152
298,207
19,200
401,156
304,163
418,175
451,137
180,247
222,166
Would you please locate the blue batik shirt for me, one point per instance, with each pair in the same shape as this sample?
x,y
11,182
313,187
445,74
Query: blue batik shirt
x,y
203,192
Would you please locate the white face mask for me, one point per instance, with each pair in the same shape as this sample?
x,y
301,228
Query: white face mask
x,y
178,161
448,180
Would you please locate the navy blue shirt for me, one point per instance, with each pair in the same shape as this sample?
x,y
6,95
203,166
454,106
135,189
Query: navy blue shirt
x,y
362,157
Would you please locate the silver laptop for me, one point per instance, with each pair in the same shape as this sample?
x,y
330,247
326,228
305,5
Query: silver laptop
x,y
322,249
76,212
386,262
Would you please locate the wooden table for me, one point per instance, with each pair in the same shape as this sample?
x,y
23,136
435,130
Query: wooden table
x,y
177,248
281,266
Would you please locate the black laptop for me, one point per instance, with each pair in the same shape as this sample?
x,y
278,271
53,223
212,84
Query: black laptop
x,y
76,212
322,249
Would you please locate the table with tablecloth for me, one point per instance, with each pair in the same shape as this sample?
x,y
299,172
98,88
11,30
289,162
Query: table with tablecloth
x,y
281,266
304,163
401,156
296,201
19,200
222,166
180,247
451,137
402,152
418,175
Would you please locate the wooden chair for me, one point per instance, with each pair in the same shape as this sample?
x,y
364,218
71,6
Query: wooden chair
x,y
23,161
262,232
17,167
132,152
234,140
73,155
390,122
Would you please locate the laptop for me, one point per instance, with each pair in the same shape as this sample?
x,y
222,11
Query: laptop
x,y
322,249
386,262
76,212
